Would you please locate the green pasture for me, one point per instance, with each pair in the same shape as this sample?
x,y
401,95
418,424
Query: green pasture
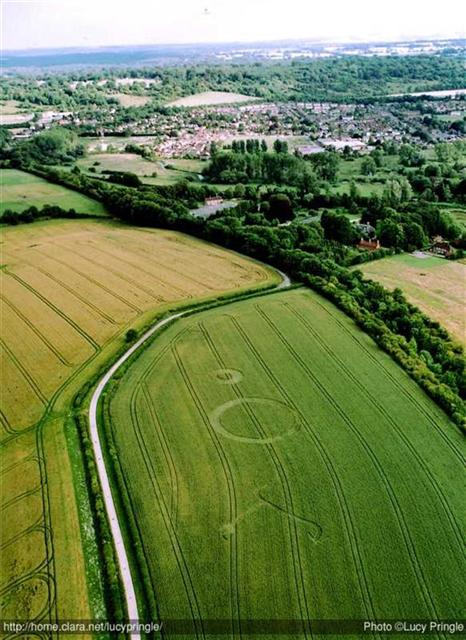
x,y
20,190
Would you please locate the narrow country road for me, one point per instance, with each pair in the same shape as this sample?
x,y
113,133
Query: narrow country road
x,y
123,562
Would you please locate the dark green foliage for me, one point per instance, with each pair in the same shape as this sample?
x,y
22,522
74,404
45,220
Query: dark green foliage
x,y
126,178
338,227
54,146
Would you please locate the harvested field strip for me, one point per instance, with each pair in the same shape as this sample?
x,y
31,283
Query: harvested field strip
x,y
435,285
288,420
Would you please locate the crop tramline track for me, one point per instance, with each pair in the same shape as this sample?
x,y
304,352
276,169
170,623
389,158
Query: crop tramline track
x,y
55,309
228,474
94,282
118,540
458,454
287,493
121,276
333,474
183,293
407,538
375,402
165,448
37,331
168,520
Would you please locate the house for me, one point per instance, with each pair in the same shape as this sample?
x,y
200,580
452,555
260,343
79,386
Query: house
x,y
213,201
366,229
441,247
368,245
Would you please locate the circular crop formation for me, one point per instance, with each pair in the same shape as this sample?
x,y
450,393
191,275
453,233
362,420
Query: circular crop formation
x,y
271,420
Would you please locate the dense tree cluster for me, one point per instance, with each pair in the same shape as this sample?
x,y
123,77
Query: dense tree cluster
x,y
53,146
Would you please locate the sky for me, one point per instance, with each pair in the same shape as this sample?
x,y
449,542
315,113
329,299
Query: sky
x,y
29,24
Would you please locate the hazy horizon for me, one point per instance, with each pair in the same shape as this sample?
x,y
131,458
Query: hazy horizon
x,y
49,24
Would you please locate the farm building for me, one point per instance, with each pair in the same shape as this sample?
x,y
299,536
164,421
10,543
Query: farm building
x,y
441,247
213,201
368,245
366,229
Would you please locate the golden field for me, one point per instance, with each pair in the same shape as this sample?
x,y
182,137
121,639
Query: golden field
x,y
435,285
70,290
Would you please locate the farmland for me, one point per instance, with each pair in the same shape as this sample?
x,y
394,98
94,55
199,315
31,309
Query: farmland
x,y
167,171
211,98
302,474
21,190
70,291
129,100
435,285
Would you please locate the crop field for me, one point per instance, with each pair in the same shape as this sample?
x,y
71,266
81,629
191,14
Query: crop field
x,y
21,190
435,285
300,474
168,171
129,100
207,98
119,162
70,290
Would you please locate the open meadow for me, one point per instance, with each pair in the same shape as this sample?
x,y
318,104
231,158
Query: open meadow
x,y
168,171
207,98
130,100
20,190
278,466
70,290
435,285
